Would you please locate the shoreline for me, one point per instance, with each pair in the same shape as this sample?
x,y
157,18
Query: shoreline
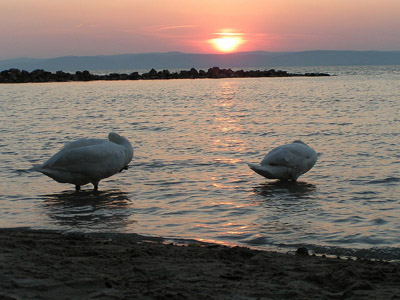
x,y
39,75
55,265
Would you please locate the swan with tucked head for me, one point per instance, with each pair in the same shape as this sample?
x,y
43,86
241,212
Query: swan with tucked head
x,y
286,162
88,160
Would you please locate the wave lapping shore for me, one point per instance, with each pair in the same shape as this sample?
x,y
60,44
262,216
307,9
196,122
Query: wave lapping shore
x,y
39,75
38,264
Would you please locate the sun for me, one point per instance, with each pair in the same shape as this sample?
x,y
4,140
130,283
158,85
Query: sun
x,y
228,42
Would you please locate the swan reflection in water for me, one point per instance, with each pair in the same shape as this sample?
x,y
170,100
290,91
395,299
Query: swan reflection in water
x,y
286,189
89,210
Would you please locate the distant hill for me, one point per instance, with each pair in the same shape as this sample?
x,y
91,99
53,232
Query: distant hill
x,y
179,60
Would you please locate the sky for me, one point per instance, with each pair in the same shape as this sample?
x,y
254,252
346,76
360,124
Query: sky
x,y
54,28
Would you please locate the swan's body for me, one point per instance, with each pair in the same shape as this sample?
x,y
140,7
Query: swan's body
x,y
286,162
88,160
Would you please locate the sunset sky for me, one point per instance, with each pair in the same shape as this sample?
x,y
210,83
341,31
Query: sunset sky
x,y
53,28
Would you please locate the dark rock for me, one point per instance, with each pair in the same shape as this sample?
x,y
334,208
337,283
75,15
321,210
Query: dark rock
x,y
151,75
134,76
202,74
302,251
184,74
239,73
113,76
213,72
193,73
86,75
123,77
316,74
153,72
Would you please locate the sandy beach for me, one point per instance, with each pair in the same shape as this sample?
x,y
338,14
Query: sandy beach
x,y
38,264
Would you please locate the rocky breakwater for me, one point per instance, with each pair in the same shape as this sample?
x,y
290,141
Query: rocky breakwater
x,y
18,76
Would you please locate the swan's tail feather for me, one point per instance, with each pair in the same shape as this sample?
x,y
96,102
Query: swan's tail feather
x,y
35,168
263,171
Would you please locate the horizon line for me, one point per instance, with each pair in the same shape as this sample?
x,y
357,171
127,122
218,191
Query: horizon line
x,y
190,53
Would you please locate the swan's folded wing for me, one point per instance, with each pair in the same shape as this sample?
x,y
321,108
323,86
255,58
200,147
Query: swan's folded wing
x,y
281,157
95,158
83,143
288,155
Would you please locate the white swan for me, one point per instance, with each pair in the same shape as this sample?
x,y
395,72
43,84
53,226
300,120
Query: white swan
x,y
286,162
88,160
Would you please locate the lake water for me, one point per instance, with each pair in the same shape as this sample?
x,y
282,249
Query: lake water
x,y
192,139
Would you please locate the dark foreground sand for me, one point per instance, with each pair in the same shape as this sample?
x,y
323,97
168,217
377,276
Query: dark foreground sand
x,y
51,265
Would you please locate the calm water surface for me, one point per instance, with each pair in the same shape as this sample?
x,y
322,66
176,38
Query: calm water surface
x,y
192,138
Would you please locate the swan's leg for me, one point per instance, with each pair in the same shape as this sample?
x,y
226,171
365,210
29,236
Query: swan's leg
x,y
77,188
95,186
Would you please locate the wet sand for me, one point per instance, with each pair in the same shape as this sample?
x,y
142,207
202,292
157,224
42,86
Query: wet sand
x,y
52,265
